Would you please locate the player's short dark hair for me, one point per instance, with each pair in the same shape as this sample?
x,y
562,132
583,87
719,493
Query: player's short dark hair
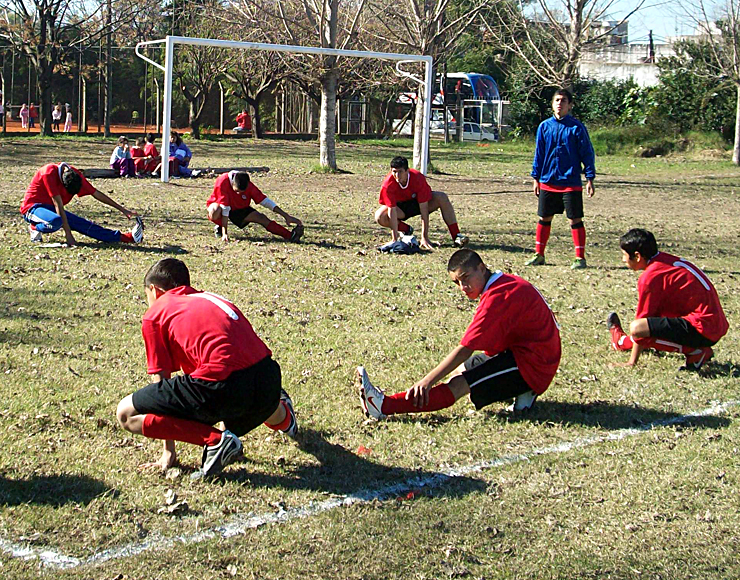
x,y
241,180
465,260
399,162
71,181
563,93
639,240
150,137
167,274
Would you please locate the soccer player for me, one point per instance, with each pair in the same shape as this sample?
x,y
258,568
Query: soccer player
x,y
53,187
228,373
562,148
231,200
513,326
404,194
678,309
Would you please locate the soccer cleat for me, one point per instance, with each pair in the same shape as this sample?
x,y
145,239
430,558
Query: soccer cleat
x,y
216,457
612,321
292,429
578,264
218,231
137,232
371,398
615,330
524,402
698,358
461,241
475,360
295,235
35,234
537,260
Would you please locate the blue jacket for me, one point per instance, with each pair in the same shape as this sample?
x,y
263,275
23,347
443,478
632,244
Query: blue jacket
x,y
562,147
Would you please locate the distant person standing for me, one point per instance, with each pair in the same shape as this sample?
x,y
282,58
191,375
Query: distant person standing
x,y
23,114
56,117
33,115
68,120
563,151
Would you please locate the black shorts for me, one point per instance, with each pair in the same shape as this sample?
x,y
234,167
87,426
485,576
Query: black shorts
x,y
243,401
551,203
237,216
677,330
409,208
497,379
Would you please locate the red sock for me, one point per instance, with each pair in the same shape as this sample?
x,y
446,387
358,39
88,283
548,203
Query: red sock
x,y
276,228
578,232
403,227
620,340
440,397
127,238
454,230
286,422
543,234
165,427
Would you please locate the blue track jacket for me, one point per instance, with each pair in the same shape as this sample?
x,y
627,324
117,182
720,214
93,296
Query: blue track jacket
x,y
561,147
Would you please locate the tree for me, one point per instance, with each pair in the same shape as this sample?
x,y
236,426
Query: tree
x,y
550,36
720,26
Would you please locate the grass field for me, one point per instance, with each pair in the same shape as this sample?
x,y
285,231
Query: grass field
x,y
604,479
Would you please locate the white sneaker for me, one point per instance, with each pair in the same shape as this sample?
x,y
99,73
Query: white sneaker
x,y
461,241
35,235
138,230
371,398
524,402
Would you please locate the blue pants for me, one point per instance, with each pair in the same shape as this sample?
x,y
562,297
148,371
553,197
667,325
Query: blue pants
x,y
46,220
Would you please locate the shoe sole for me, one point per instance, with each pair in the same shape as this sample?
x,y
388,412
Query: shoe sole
x,y
292,430
364,399
227,458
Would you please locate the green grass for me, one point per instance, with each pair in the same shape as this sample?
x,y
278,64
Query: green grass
x,y
661,504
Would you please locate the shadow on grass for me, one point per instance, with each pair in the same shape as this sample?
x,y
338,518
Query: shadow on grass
x,y
52,490
605,415
341,471
170,249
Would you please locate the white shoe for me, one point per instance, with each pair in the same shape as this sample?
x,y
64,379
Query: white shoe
x,y
461,241
138,230
524,402
371,397
35,235
195,173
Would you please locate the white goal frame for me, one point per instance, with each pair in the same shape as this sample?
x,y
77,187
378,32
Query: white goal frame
x,y
170,42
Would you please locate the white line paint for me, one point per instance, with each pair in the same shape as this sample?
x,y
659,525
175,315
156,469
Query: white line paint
x,y
240,524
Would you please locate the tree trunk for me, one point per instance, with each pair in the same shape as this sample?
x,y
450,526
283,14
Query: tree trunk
x,y
736,148
43,79
194,120
418,127
327,127
254,106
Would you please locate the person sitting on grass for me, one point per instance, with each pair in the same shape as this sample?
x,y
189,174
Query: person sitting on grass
x,y
404,194
515,329
150,150
144,162
228,374
678,309
231,200
180,156
121,160
54,186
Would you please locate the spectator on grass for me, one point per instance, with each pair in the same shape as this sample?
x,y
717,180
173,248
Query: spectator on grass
x,y
143,162
150,149
405,193
513,326
231,200
180,156
52,187
562,148
121,160
33,115
228,374
23,114
678,309
243,122
56,117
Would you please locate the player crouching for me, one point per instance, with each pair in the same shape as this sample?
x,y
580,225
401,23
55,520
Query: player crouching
x,y
513,326
231,200
228,373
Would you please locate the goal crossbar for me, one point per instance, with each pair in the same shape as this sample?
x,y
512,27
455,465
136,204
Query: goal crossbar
x,y
171,41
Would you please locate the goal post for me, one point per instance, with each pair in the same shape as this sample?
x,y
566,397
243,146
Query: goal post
x,y
169,47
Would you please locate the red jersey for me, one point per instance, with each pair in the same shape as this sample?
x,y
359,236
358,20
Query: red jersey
x,y
47,183
391,192
671,287
201,333
150,150
244,121
513,315
227,197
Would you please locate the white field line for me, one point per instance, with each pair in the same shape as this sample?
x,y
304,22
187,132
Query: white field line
x,y
239,524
